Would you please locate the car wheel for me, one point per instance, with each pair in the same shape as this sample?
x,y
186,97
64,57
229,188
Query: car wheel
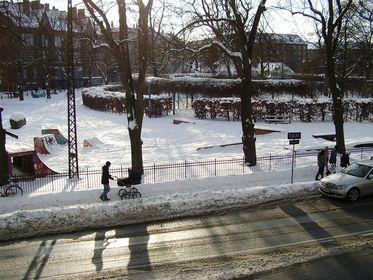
x,y
353,194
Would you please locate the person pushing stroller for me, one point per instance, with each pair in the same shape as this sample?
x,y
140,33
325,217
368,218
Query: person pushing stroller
x,y
105,181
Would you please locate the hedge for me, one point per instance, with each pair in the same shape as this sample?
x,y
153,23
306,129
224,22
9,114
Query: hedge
x,y
112,99
211,87
305,110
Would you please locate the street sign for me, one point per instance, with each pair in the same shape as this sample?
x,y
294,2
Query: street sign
x,y
294,135
293,142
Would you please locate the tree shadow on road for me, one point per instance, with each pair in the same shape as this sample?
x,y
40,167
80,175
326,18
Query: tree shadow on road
x,y
139,260
318,232
40,259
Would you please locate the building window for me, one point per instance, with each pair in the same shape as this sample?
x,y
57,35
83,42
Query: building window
x,y
58,41
44,41
28,39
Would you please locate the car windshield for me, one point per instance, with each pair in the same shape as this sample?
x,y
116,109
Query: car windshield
x,y
357,170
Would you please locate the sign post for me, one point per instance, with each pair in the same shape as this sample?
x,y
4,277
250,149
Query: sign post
x,y
294,138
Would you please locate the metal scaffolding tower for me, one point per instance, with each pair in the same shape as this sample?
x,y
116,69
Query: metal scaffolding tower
x,y
71,108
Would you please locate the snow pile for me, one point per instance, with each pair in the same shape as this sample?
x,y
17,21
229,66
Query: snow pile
x,y
68,218
17,117
103,92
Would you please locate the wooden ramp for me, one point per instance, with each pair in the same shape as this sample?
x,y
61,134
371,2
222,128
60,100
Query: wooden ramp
x,y
328,137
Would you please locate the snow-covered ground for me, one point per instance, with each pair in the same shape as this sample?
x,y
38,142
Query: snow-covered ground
x,y
41,213
37,214
163,141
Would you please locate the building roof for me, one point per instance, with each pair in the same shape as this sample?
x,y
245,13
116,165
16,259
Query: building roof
x,y
14,11
283,38
56,18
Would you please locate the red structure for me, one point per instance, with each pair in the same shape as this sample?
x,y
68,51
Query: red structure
x,y
28,163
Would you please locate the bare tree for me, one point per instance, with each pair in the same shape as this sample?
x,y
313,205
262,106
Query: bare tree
x,y
328,17
361,34
16,50
119,48
234,26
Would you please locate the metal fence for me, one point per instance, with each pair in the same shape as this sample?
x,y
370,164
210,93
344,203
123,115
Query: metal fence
x,y
157,173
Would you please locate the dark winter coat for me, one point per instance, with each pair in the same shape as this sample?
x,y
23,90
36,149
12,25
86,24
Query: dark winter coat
x,y
105,175
333,156
321,159
345,160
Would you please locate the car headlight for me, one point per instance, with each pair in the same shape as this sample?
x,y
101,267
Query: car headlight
x,y
339,187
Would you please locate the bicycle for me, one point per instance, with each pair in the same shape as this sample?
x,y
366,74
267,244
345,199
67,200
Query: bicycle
x,y
10,189
129,191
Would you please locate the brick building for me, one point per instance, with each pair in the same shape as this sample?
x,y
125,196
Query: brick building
x,y
32,40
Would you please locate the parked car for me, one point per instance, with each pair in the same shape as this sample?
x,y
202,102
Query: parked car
x,y
351,183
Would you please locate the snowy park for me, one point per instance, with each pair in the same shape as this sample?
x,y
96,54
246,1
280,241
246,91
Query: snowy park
x,y
164,142
186,139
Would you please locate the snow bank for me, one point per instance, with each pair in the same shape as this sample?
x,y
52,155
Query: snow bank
x,y
26,223
17,117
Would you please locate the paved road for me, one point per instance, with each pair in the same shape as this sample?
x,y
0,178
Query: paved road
x,y
352,265
235,244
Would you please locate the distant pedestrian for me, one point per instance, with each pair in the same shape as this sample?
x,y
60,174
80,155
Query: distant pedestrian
x,y
327,160
320,164
345,160
333,159
105,181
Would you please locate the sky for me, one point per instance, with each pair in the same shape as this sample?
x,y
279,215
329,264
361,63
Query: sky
x,y
280,21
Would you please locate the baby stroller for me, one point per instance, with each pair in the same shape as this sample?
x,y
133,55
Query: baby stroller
x,y
134,178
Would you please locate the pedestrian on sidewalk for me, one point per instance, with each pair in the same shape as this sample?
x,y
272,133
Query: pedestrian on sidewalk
x,y
345,160
327,160
321,164
105,181
333,159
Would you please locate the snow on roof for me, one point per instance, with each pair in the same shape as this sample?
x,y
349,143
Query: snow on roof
x,y
283,38
15,13
57,18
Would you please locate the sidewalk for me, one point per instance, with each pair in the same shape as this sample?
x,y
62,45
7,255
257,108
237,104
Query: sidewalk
x,y
62,212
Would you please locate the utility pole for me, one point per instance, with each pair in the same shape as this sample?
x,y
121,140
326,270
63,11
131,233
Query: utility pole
x,y
4,160
71,108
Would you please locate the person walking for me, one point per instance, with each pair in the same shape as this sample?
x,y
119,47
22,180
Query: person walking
x,y
333,159
105,181
327,160
345,160
321,164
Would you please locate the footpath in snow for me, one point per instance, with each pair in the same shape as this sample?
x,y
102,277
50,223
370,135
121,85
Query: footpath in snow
x,y
38,214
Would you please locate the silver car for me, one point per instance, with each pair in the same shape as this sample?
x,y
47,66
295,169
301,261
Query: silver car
x,y
352,182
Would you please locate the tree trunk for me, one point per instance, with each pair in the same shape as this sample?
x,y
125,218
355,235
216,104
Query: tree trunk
x,y
248,137
4,172
20,81
136,149
337,98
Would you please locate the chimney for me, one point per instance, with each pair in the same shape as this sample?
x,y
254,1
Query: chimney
x,y
75,12
81,13
35,5
26,7
46,6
